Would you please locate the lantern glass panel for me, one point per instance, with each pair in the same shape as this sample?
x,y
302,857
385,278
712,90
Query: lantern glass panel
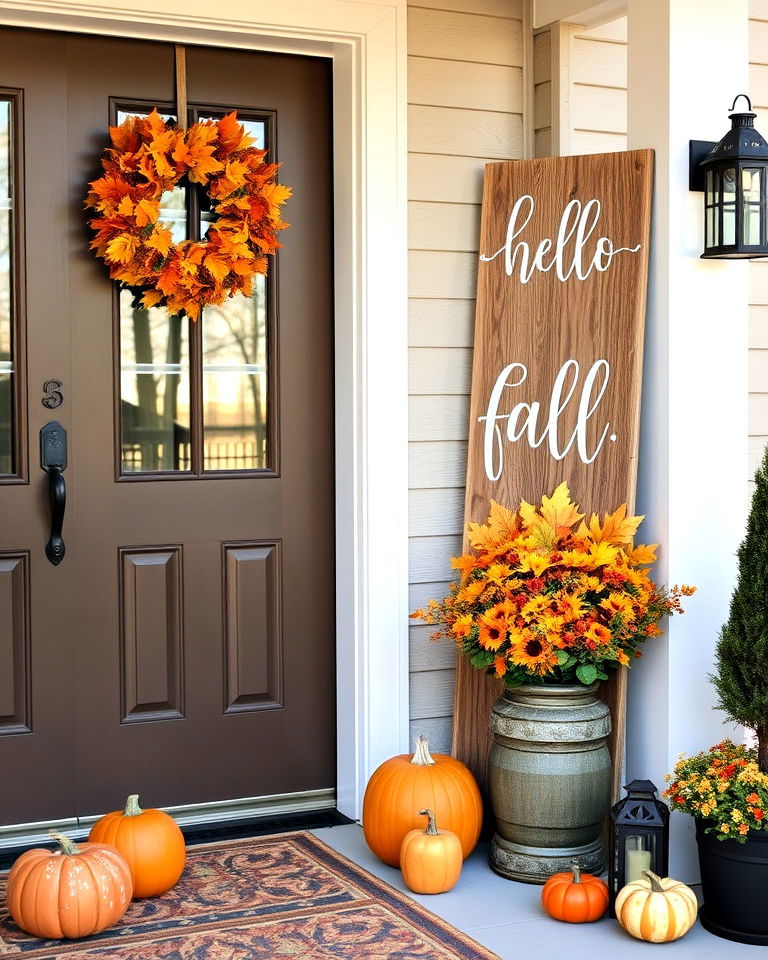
x,y
751,182
711,238
751,222
639,855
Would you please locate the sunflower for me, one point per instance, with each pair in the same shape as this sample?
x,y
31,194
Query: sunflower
x,y
535,654
598,633
493,628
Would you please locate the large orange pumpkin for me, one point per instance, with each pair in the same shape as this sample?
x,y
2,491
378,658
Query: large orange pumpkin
x,y
73,892
575,897
403,785
149,840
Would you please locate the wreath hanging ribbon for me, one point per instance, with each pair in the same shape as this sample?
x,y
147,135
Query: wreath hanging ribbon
x,y
148,157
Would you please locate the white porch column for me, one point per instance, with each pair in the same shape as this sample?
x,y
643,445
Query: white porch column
x,y
687,60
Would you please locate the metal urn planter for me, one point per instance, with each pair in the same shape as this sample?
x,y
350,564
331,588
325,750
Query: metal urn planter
x,y
550,780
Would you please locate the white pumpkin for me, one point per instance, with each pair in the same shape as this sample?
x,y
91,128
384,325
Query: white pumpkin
x,y
657,910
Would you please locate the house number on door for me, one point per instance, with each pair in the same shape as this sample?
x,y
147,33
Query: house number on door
x,y
53,396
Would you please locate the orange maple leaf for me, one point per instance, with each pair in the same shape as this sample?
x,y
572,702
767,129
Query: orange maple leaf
x,y
232,134
123,248
643,554
147,211
559,511
161,240
217,266
616,528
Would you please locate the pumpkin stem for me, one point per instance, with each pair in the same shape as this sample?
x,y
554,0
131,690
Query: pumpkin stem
x,y
132,808
431,830
656,886
421,756
576,872
66,846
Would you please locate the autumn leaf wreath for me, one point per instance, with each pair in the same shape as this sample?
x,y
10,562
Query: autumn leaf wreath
x,y
148,157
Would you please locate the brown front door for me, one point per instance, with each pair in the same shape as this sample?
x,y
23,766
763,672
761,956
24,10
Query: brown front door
x,y
183,649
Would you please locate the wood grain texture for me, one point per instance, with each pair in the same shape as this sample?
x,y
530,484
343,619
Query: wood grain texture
x,y
542,324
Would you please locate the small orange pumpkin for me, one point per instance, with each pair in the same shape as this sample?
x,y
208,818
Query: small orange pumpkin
x,y
403,784
150,841
75,891
431,859
575,897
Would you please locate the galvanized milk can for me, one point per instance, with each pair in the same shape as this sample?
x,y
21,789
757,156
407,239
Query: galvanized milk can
x,y
549,776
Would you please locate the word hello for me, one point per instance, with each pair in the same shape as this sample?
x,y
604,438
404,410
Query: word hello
x,y
523,419
577,224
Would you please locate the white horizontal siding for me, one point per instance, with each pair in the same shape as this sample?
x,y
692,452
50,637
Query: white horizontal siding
x,y
441,463
467,86
436,370
441,323
438,418
437,730
449,35
443,226
465,95
439,178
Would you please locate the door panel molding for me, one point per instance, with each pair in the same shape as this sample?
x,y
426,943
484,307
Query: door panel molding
x,y
15,644
367,42
253,654
151,634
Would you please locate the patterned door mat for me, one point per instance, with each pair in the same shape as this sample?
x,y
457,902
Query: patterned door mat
x,y
284,897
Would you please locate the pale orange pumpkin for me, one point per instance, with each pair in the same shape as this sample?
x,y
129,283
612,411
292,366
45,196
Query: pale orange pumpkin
x,y
430,859
655,909
575,897
150,841
403,784
73,892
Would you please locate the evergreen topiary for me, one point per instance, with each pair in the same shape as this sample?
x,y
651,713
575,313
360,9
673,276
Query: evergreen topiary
x,y
741,677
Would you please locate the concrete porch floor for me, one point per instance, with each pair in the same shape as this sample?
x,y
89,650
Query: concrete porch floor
x,y
507,917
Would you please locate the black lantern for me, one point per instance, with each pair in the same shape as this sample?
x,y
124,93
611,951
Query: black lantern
x,y
735,173
639,838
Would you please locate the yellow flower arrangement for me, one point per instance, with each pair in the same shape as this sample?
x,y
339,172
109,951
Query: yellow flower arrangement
x,y
546,597
734,791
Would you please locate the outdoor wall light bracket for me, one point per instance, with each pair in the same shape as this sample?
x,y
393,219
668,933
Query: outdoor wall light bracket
x,y
733,175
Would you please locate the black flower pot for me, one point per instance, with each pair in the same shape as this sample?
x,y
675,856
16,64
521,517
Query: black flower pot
x,y
734,885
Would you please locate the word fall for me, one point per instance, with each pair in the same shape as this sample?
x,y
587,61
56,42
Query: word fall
x,y
523,419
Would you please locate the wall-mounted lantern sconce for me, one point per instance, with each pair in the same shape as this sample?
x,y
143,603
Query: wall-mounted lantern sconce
x,y
734,177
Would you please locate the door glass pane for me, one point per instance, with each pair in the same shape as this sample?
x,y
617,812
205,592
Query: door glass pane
x,y
235,414
154,389
7,369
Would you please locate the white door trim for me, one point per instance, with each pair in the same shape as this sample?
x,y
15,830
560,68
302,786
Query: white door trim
x,y
367,42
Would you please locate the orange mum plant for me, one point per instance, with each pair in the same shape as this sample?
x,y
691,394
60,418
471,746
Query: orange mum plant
x,y
148,157
546,598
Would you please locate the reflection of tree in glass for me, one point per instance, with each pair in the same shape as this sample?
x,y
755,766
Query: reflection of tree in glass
x,y
235,336
155,420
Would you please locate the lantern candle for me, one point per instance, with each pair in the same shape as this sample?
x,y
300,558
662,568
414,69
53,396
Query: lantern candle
x,y
636,862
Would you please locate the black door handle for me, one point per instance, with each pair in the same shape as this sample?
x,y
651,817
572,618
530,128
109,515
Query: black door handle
x,y
53,459
57,494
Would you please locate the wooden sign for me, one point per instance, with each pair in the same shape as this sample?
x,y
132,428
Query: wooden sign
x,y
557,364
